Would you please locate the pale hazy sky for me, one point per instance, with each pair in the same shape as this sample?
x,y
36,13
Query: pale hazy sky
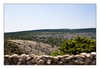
x,y
20,17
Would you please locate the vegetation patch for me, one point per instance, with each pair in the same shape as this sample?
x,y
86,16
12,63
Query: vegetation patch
x,y
11,48
76,45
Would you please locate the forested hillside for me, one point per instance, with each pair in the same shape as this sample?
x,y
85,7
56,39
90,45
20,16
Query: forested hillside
x,y
53,37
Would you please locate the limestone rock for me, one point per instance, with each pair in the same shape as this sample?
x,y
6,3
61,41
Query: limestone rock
x,y
15,58
87,61
65,56
93,54
40,62
28,58
55,59
6,56
77,56
60,62
79,61
71,56
33,61
93,62
48,62
88,55
29,63
23,56
6,62
67,59
59,56
19,63
83,54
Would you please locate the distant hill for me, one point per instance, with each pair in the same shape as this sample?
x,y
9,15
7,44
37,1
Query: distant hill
x,y
54,37
93,30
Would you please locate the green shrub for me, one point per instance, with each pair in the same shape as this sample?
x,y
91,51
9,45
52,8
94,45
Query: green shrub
x,y
76,46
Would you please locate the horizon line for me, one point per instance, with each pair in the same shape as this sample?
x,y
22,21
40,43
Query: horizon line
x,y
45,29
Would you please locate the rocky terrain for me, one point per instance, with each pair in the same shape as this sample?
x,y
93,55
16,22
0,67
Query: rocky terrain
x,y
33,47
31,59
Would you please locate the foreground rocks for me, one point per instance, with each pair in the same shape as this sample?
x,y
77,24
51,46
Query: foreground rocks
x,y
31,59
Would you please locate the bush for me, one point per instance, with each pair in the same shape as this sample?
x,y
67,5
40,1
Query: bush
x,y
11,48
76,46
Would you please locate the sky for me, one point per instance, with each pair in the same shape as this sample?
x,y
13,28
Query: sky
x,y
21,17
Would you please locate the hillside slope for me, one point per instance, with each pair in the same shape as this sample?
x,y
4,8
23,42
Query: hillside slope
x,y
33,47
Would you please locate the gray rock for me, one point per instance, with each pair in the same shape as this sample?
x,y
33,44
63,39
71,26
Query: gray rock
x,y
45,56
31,55
23,56
67,59
77,56
93,54
15,55
83,54
79,61
33,61
48,62
28,58
71,56
15,58
65,56
55,59
88,55
60,62
93,62
19,63
59,56
29,63
6,62
87,61
40,62
6,56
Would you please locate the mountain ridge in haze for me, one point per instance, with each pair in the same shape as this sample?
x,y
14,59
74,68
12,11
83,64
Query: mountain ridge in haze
x,y
58,30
